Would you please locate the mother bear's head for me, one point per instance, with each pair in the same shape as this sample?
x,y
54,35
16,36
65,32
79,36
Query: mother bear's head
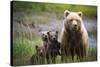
x,y
72,21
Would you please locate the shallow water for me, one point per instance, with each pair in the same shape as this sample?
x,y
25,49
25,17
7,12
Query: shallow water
x,y
91,26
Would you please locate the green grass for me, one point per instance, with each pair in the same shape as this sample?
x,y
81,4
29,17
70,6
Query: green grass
x,y
92,54
23,49
31,7
24,43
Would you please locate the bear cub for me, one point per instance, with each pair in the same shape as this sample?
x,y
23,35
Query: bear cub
x,y
44,37
39,56
53,46
49,50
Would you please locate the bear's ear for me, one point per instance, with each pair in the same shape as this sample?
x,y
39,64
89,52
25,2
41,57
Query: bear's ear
x,y
42,34
66,13
36,46
79,13
57,32
48,33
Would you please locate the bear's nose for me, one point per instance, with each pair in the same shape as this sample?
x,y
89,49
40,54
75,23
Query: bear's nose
x,y
45,36
54,38
75,25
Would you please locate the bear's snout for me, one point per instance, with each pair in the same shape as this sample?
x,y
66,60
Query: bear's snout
x,y
41,52
45,36
75,26
54,38
74,23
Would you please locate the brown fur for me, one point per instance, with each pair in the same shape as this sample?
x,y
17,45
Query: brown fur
x,y
53,47
39,57
74,36
49,50
44,36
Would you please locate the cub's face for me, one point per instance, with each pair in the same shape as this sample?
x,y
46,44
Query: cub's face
x,y
52,36
44,36
39,51
72,20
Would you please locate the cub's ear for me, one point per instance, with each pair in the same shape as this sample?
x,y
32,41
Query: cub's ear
x,y
42,34
80,14
66,13
56,32
36,46
48,33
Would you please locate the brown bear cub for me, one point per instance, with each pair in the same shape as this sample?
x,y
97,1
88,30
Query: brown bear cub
x,y
39,57
53,46
49,50
74,39
44,36
40,51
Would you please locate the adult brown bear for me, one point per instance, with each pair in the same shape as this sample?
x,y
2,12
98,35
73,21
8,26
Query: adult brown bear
x,y
74,38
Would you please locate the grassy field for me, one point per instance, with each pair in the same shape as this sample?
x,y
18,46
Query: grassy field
x,y
23,49
25,37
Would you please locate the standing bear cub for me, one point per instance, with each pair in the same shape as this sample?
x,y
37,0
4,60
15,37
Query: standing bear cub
x,y
74,38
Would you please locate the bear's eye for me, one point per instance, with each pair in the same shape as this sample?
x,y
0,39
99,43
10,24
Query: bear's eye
x,y
71,20
77,20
